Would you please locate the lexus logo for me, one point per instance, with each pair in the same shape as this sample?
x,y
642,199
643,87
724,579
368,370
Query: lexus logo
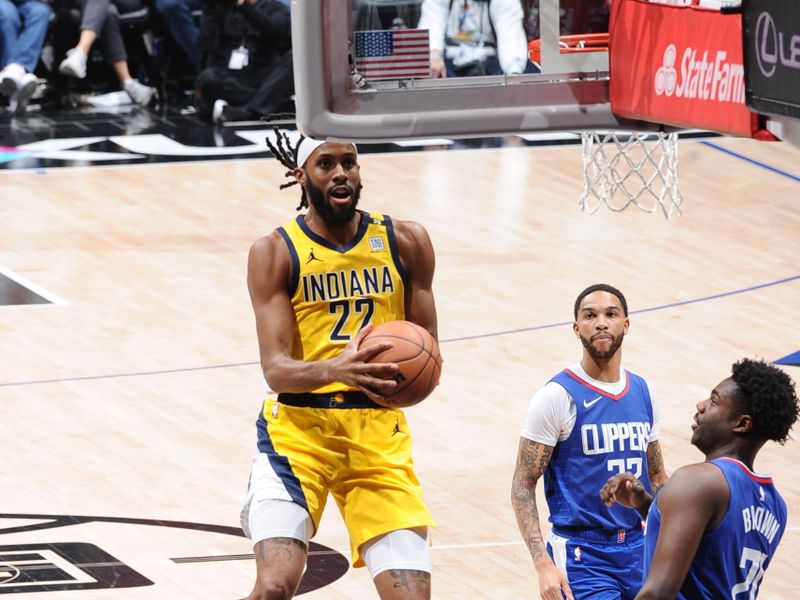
x,y
766,44
770,47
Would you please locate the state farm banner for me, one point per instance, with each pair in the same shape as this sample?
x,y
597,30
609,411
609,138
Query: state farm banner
x,y
772,56
678,65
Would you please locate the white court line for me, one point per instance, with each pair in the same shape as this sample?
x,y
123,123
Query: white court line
x,y
480,545
31,286
520,543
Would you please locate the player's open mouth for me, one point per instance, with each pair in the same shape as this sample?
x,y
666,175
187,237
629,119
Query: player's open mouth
x,y
341,193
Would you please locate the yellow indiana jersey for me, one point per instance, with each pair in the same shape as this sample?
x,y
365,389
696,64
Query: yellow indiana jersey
x,y
336,290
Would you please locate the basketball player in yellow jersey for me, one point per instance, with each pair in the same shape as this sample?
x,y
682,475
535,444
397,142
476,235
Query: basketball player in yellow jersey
x,y
318,284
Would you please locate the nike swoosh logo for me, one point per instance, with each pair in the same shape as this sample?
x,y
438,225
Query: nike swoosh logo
x,y
588,403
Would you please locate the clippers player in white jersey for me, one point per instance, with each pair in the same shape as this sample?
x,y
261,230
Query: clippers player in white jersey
x,y
588,422
714,528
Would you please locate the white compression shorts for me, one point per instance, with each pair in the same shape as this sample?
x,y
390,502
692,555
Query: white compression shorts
x,y
269,511
401,549
267,519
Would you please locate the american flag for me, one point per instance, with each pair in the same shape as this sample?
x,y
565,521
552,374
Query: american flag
x,y
393,54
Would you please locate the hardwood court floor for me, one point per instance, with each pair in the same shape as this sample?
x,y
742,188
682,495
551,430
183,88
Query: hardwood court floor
x,y
135,397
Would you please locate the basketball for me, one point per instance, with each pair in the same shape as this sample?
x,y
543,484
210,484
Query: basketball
x,y
416,353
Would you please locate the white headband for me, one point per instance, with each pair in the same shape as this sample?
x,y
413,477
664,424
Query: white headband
x,y
306,149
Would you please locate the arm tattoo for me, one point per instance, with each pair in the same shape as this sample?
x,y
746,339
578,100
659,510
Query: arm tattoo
x,y
532,461
655,466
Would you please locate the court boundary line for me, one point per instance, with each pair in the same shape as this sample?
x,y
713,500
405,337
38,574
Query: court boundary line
x,y
752,161
447,341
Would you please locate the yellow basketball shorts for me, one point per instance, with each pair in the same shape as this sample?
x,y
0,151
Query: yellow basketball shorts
x,y
362,456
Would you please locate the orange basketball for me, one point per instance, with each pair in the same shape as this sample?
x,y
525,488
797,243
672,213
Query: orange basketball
x,y
416,353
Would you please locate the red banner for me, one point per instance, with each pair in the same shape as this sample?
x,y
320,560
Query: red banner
x,y
678,65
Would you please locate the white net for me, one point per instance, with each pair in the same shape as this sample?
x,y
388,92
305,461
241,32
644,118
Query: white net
x,y
625,168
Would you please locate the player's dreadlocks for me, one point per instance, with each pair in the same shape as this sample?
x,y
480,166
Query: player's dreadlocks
x,y
287,156
767,394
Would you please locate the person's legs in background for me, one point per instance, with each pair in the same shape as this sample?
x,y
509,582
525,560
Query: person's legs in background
x,y
217,87
276,88
23,27
10,25
102,16
227,95
114,50
182,27
93,15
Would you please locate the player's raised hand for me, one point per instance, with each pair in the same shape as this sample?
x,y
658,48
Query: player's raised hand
x,y
624,489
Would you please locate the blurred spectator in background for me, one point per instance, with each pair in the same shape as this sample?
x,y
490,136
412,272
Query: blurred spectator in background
x,y
248,70
100,18
178,17
23,27
576,16
475,37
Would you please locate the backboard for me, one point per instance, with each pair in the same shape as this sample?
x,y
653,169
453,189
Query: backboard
x,y
772,67
570,93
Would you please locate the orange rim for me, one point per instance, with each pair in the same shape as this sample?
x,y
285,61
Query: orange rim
x,y
581,42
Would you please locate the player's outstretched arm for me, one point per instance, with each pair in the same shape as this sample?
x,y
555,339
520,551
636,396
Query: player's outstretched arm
x,y
532,460
693,502
419,260
268,275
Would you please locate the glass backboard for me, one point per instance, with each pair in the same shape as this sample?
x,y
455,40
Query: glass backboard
x,y
333,99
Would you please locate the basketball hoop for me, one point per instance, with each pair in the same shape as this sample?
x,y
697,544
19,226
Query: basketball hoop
x,y
624,168
571,44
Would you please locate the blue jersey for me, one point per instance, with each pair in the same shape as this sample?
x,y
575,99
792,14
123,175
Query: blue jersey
x,y
610,436
731,560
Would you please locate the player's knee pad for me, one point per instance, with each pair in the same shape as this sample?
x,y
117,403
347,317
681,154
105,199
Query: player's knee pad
x,y
406,549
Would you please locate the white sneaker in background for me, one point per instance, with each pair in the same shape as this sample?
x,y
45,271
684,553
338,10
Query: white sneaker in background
x,y
219,108
139,93
11,79
27,87
74,64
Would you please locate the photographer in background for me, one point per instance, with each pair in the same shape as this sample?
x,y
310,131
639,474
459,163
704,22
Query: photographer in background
x,y
249,59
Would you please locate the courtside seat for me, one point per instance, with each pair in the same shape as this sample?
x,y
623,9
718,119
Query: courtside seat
x,y
136,17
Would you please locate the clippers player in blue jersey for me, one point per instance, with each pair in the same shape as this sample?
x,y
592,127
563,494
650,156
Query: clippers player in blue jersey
x,y
714,528
590,421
